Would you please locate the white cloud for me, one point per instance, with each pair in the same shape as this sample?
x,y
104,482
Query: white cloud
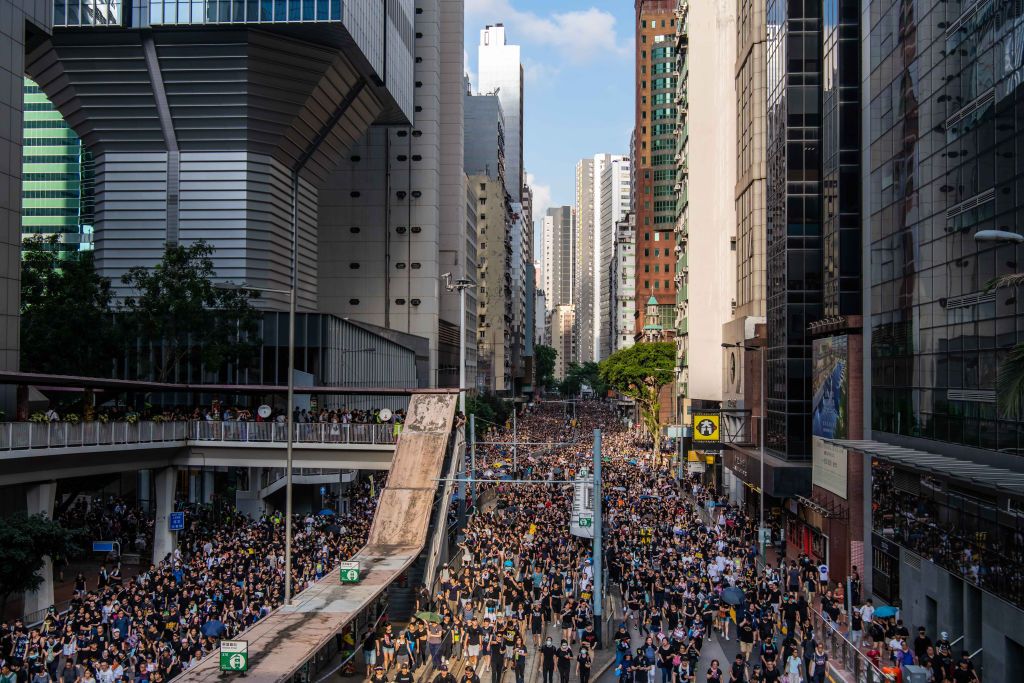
x,y
579,35
538,74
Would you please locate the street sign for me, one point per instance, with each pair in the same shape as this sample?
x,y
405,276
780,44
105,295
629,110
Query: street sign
x,y
176,521
586,522
348,572
706,428
234,655
323,490
103,546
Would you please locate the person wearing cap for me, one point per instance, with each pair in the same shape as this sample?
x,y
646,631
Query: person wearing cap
x,y
964,671
469,675
378,675
443,676
921,643
404,675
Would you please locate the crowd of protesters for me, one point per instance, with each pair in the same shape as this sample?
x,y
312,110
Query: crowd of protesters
x,y
226,574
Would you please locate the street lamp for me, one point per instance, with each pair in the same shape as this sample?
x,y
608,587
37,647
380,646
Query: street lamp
x,y
998,236
764,379
460,285
289,421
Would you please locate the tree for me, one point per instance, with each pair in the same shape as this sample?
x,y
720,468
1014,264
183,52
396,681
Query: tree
x,y
25,542
573,382
177,314
640,372
67,327
545,356
489,409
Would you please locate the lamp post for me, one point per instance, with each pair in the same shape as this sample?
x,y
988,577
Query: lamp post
x,y
764,413
460,285
290,424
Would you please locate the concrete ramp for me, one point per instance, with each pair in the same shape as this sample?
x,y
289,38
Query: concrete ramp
x,y
280,644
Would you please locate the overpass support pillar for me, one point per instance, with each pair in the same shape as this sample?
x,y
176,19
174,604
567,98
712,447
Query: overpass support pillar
x,y
164,540
39,501
208,480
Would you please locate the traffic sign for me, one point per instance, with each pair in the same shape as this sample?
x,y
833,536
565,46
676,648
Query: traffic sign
x,y
586,521
103,546
348,572
234,655
323,490
176,521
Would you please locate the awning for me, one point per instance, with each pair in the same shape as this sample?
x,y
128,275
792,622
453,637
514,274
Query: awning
x,y
980,474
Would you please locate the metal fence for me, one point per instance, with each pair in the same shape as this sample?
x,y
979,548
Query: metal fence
x,y
305,432
844,653
27,435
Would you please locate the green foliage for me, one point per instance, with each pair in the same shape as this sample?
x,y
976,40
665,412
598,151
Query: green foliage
x,y
490,410
545,358
640,372
573,382
178,313
24,543
67,327
1010,382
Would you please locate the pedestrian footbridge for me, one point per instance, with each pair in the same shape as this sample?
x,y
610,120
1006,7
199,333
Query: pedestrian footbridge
x,y
283,645
32,452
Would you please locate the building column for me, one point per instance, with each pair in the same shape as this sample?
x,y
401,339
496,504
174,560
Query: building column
x,y
164,540
145,488
39,500
208,486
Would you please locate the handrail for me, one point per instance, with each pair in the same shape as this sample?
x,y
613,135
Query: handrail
x,y
458,455
23,436
849,655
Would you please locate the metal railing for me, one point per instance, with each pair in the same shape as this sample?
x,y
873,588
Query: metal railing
x,y
28,435
844,653
305,432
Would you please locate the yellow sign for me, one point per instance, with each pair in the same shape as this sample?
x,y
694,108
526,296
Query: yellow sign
x,y
533,529
705,427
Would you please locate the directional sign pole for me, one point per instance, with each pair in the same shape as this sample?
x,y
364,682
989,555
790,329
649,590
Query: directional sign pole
x,y
598,565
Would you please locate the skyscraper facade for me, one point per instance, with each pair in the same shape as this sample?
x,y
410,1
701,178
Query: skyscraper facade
x,y
941,164
559,256
583,278
622,278
613,193
57,179
500,72
653,153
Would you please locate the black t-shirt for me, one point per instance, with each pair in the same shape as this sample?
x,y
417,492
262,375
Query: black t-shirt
x,y
769,650
962,675
746,633
547,653
739,672
404,677
564,658
473,635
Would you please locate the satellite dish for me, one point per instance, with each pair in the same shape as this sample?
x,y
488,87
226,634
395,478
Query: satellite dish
x,y
264,411
385,414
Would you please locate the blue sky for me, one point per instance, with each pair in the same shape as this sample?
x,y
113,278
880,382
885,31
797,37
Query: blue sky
x,y
578,61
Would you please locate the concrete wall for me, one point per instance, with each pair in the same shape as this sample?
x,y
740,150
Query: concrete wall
x,y
712,214
940,601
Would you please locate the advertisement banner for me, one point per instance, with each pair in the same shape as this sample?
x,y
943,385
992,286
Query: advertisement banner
x,y
581,522
830,412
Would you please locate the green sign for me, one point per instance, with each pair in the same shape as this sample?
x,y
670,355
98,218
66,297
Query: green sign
x,y
234,655
586,521
349,572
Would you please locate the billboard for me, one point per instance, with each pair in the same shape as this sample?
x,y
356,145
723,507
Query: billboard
x,y
830,412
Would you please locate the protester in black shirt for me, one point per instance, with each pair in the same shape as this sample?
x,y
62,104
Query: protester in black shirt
x,y
564,657
547,653
443,676
583,664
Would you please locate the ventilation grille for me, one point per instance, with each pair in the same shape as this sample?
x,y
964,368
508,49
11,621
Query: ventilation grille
x,y
907,481
972,395
987,98
972,203
913,561
970,300
965,16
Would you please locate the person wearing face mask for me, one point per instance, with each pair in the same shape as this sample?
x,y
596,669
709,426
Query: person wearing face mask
x,y
519,655
547,654
583,664
564,658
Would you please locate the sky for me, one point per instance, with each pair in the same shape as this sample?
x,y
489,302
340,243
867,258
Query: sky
x,y
578,91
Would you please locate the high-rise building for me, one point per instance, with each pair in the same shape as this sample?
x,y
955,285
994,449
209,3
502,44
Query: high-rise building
x,y
494,222
559,256
583,278
392,215
25,22
654,153
613,191
705,201
622,277
500,72
941,163
561,321
748,316
57,178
